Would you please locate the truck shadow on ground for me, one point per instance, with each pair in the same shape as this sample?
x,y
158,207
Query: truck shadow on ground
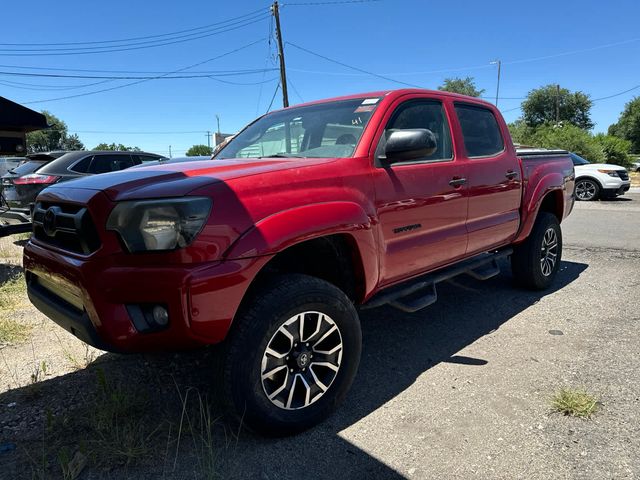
x,y
397,349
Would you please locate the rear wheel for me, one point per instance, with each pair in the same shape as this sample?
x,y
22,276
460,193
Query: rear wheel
x,y
292,355
587,190
536,261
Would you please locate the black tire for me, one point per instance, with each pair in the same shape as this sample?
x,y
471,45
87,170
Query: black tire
x,y
530,260
587,190
258,325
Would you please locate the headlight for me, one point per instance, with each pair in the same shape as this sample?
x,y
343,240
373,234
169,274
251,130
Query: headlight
x,y
155,225
611,173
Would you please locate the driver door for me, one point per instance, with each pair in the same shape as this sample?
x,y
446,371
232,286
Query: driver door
x,y
422,203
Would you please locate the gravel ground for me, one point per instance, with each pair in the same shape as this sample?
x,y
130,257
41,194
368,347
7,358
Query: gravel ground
x,y
459,390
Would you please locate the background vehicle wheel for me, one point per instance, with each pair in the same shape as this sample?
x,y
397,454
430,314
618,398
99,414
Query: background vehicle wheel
x,y
291,355
587,190
535,262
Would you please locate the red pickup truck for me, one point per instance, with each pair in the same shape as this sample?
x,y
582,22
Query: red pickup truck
x,y
309,214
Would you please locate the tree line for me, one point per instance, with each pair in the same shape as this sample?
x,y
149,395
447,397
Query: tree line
x,y
555,117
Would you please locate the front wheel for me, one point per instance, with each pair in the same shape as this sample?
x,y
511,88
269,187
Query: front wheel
x,y
587,190
292,355
535,262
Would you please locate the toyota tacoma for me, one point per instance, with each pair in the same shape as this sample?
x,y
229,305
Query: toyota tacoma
x,y
307,216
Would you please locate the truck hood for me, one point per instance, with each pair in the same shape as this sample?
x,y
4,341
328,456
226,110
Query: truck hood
x,y
598,166
178,179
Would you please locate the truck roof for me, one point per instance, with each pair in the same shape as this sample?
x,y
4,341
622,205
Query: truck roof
x,y
392,94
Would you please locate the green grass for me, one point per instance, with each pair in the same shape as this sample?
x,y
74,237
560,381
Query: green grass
x,y
575,403
12,297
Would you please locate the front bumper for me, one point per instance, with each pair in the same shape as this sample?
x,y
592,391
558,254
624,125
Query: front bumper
x,y
616,190
89,298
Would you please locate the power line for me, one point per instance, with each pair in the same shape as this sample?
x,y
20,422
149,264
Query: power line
x,y
165,76
313,4
204,27
384,77
147,79
616,94
124,48
273,98
133,72
34,86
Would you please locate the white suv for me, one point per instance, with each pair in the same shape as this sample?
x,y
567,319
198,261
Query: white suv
x,y
599,180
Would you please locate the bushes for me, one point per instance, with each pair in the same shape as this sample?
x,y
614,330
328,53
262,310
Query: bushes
x,y
615,149
600,148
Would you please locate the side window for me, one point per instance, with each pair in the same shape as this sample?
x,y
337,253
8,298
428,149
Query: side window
x,y
144,158
482,137
427,114
110,163
82,166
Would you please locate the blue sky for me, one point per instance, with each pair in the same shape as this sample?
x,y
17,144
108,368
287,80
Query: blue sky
x,y
412,41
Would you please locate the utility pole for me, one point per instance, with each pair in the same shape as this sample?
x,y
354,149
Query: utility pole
x,y
208,134
170,152
283,74
557,104
499,63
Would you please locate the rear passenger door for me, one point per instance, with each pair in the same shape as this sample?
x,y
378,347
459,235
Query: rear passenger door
x,y
421,204
493,178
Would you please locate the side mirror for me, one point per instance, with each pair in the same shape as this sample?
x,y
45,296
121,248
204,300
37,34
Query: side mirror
x,y
409,144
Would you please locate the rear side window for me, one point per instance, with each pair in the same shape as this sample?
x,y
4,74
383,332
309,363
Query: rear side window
x,y
144,158
109,163
427,114
482,137
82,166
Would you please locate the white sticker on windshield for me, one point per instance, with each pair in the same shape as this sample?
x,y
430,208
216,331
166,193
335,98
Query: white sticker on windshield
x,y
370,101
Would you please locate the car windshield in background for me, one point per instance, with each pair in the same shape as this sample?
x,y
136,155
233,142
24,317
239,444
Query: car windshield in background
x,y
330,129
578,160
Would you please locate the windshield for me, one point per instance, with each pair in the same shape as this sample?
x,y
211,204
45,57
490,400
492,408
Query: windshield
x,y
330,129
578,160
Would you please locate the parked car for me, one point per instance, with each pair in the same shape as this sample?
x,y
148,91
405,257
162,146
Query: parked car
x,y
635,166
165,161
9,163
29,164
308,214
21,186
599,180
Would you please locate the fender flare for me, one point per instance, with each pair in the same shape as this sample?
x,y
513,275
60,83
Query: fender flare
x,y
548,185
284,229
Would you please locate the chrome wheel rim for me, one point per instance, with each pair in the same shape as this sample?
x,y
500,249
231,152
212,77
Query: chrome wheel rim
x,y
301,360
549,252
585,190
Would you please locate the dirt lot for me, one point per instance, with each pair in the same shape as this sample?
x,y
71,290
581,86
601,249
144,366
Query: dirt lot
x,y
460,390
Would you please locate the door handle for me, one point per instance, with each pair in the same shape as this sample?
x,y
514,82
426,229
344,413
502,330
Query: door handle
x,y
511,174
456,182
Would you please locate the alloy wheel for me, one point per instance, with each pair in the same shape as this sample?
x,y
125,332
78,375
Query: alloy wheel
x,y
585,190
549,252
301,360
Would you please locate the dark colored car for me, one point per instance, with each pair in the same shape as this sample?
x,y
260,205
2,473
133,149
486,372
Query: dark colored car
x,y
21,186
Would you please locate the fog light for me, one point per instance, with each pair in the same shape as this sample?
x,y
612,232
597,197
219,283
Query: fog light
x,y
160,315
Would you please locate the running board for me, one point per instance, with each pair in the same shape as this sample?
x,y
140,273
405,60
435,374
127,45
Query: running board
x,y
421,292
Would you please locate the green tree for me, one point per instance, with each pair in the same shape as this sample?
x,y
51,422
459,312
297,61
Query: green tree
x,y
116,146
521,133
628,126
567,137
55,138
573,107
615,149
198,150
464,86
